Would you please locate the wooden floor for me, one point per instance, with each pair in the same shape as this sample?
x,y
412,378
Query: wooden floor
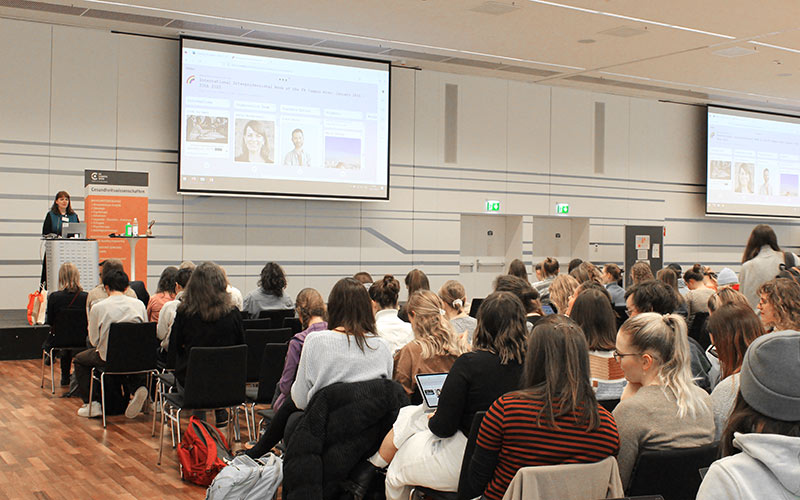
x,y
48,452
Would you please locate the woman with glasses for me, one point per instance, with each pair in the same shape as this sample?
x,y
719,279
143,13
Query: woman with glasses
x,y
661,407
779,304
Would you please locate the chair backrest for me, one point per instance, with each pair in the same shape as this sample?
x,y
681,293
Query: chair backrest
x,y
276,316
698,330
294,324
131,347
464,492
255,340
474,306
650,476
69,327
271,368
274,336
256,324
578,481
216,377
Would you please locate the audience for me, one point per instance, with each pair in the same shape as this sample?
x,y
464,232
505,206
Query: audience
x,y
668,276
582,287
233,292
560,291
549,272
205,317
698,294
586,271
70,295
610,278
573,264
727,278
167,315
428,451
640,272
517,268
592,311
710,278
725,295
676,268
415,280
435,346
779,304
761,262
454,299
99,292
660,408
525,293
537,270
269,294
365,278
388,326
115,308
733,327
764,425
553,419
165,292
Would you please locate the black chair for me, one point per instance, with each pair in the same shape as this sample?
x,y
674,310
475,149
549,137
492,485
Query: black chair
x,y
608,404
273,336
68,333
131,350
673,474
698,330
276,316
474,306
215,379
256,324
294,324
270,371
464,491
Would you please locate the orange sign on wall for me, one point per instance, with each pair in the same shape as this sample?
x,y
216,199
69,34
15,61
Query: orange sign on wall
x,y
114,199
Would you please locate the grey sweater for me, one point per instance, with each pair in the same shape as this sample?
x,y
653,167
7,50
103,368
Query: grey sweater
x,y
329,357
758,270
649,420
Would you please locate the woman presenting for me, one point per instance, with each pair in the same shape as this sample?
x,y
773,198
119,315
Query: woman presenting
x,y
60,212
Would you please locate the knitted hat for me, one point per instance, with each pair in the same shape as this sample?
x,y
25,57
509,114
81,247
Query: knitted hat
x,y
770,374
726,277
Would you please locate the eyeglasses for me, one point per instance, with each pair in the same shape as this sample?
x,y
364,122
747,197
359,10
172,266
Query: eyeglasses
x,y
618,355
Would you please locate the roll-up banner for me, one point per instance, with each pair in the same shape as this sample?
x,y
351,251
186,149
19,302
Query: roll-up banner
x,y
114,199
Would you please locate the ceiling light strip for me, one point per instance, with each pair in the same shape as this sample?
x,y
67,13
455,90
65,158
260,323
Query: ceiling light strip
x,y
325,32
630,18
787,49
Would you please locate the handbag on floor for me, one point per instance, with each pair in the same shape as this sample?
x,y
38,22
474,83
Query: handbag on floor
x,y
203,452
246,479
37,306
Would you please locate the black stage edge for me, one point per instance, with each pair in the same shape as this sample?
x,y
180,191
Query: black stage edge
x,y
18,340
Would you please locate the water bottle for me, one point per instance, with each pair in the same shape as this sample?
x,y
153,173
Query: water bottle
x,y
127,229
135,227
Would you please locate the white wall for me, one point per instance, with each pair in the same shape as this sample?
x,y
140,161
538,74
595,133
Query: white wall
x,y
74,98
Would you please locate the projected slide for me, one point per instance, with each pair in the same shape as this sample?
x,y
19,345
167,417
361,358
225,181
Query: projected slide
x,y
753,163
258,121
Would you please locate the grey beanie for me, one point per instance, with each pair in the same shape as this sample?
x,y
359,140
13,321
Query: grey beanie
x,y
727,277
770,377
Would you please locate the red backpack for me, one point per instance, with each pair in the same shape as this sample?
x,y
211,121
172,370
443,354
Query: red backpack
x,y
203,452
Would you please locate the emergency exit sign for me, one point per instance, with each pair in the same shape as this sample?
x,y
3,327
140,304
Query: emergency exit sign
x,y
492,206
562,208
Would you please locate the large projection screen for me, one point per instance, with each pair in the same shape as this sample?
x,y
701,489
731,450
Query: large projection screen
x,y
753,163
257,121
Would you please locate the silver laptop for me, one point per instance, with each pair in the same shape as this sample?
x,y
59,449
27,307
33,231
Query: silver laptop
x,y
73,230
430,386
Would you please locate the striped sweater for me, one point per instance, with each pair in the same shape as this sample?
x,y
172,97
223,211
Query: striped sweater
x,y
510,439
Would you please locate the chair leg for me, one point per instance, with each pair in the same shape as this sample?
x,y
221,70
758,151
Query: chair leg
x,y
52,373
161,436
102,398
155,405
247,420
91,390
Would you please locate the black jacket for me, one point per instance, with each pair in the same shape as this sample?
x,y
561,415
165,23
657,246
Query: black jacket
x,y
342,425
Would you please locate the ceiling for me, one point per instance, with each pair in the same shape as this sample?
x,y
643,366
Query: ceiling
x,y
732,52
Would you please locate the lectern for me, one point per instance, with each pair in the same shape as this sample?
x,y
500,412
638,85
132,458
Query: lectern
x,y
81,252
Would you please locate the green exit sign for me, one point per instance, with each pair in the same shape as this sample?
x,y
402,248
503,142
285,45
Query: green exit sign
x,y
492,206
562,208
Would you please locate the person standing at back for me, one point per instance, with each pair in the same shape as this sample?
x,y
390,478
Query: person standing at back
x,y
761,262
269,294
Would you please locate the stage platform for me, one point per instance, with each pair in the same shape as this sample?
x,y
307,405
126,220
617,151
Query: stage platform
x,y
19,340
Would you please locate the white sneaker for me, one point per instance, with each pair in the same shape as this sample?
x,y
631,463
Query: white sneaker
x,y
137,401
93,410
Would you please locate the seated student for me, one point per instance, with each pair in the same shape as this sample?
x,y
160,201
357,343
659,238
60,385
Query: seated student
x,y
525,293
593,313
560,291
428,451
582,287
389,327
573,264
586,271
660,408
365,278
779,304
269,294
167,315
414,280
517,268
732,328
554,419
764,425
349,351
668,276
116,308
537,271
610,279
69,296
725,295
698,294
165,292
549,271
99,293
435,346
640,271
454,298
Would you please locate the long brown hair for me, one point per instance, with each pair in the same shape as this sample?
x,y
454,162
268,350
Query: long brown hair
x,y
761,235
726,295
734,327
453,294
522,289
592,311
349,308
517,268
746,419
556,372
308,304
560,289
416,280
670,277
501,327
205,295
586,271
432,331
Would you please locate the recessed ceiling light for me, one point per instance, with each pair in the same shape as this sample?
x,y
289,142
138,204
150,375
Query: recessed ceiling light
x,y
734,52
784,74
625,31
495,8
587,40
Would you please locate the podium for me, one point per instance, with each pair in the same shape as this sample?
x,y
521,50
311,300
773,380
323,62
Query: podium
x,y
81,252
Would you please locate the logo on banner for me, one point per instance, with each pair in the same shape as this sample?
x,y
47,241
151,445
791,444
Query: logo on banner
x,y
98,177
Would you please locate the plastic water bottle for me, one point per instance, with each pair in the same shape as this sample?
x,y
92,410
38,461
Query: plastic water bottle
x,y
127,229
135,227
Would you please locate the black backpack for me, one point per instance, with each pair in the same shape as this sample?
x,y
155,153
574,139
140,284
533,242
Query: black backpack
x,y
789,269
